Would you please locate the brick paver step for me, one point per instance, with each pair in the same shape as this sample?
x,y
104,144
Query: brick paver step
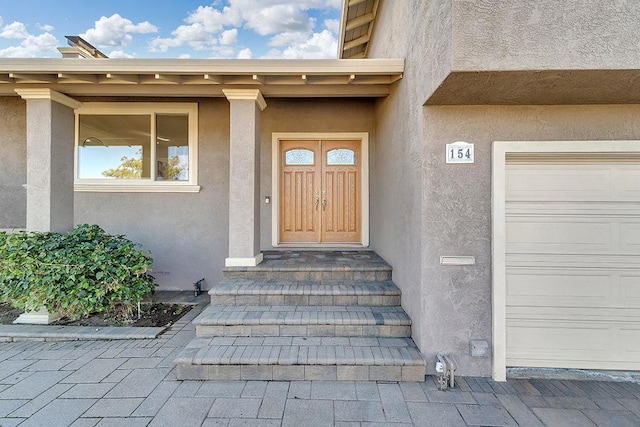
x,y
391,359
303,321
305,292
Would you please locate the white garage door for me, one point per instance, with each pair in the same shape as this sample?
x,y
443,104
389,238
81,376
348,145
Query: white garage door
x,y
573,262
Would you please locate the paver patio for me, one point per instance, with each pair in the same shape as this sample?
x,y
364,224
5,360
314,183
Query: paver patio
x,y
132,383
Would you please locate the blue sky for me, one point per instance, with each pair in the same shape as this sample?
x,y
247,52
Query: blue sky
x,y
291,29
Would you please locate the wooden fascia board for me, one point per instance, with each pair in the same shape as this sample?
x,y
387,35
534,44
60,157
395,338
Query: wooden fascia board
x,y
343,27
201,66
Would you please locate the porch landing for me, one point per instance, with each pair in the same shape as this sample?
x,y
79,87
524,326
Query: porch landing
x,y
304,315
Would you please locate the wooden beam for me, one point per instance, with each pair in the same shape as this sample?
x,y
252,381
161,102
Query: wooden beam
x,y
37,78
203,79
355,2
359,21
75,78
304,78
259,79
352,77
214,79
355,43
168,78
123,78
4,78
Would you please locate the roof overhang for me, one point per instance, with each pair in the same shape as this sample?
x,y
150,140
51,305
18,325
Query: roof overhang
x,y
538,87
356,27
203,78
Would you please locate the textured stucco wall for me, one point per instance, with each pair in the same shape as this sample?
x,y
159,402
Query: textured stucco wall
x,y
51,169
187,233
420,33
456,205
307,115
545,34
13,164
244,192
423,208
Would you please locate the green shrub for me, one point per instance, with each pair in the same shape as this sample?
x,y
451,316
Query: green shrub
x,y
77,273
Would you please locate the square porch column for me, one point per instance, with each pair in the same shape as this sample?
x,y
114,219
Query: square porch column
x,y
50,150
244,177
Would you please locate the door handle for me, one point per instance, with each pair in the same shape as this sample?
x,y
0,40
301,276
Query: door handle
x,y
324,204
316,202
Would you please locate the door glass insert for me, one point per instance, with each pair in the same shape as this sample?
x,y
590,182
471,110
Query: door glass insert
x,y
299,156
341,156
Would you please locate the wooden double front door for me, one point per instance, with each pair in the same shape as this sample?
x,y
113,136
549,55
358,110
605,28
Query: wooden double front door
x,y
320,191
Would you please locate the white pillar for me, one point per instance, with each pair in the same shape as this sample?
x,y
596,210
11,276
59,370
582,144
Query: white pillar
x,y
50,149
244,177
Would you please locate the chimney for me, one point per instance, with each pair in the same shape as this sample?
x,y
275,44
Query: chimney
x,y
80,48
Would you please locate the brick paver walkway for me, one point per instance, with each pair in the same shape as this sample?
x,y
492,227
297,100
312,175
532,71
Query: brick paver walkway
x,y
132,383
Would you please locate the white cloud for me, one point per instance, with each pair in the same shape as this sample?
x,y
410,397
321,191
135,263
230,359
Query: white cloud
x,y
228,37
245,54
32,46
45,27
318,46
288,38
212,27
332,25
120,54
277,18
15,30
116,31
184,56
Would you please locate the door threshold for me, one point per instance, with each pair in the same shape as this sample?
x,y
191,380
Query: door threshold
x,y
321,246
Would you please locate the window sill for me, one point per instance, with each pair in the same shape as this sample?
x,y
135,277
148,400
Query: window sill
x,y
137,188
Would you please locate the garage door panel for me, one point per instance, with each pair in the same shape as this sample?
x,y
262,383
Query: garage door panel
x,y
572,289
553,182
630,343
630,288
573,264
630,236
577,182
593,315
592,263
559,235
557,341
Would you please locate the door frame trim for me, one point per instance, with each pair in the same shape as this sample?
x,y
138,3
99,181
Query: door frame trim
x,y
276,137
500,151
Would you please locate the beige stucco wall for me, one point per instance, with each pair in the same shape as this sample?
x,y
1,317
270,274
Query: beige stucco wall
x,y
188,233
306,115
423,208
13,163
456,205
420,33
545,34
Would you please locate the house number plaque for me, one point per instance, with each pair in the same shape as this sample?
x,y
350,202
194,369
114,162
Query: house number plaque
x,y
460,152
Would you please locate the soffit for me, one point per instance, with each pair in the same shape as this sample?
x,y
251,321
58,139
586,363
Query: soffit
x,y
358,19
538,87
192,77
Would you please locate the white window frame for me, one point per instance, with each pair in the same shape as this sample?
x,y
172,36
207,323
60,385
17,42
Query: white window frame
x,y
149,185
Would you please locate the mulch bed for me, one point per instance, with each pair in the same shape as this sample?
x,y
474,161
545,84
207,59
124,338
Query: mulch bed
x,y
155,314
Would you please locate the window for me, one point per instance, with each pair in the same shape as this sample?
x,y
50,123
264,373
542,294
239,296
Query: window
x,y
341,156
298,156
138,147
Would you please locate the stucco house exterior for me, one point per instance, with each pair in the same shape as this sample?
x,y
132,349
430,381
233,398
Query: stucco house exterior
x,y
529,243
